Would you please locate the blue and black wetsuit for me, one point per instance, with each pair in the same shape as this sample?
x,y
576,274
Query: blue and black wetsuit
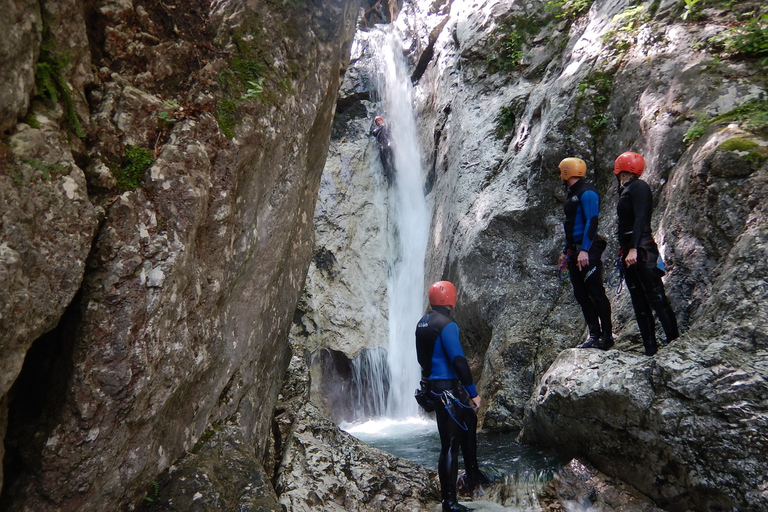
x,y
444,368
643,279
581,208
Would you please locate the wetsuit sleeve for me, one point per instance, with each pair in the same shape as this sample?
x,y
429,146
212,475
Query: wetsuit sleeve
x,y
642,205
452,347
590,205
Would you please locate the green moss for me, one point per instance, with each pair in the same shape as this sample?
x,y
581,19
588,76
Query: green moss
x,y
752,116
756,154
136,161
226,116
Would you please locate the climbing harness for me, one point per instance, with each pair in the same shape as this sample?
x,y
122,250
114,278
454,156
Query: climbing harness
x,y
451,404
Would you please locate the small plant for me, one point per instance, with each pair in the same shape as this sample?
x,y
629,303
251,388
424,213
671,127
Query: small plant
x,y
151,500
697,129
45,168
509,48
506,121
750,39
569,9
51,83
137,160
254,90
689,9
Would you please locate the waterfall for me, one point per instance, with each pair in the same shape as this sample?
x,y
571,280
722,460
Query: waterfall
x,y
408,221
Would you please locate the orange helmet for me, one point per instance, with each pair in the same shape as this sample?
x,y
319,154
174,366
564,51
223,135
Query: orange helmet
x,y
629,161
571,167
442,293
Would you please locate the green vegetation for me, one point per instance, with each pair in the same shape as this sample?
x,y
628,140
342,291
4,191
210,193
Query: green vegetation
x,y
597,90
751,116
506,121
510,46
47,170
627,22
750,39
568,9
49,75
137,160
155,493
247,79
690,9
756,154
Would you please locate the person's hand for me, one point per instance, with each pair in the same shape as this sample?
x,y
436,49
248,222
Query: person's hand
x,y
631,258
583,259
561,260
476,402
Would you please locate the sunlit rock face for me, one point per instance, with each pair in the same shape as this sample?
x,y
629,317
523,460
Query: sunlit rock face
x,y
185,276
504,91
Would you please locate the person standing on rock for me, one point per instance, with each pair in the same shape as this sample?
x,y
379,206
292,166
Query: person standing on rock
x,y
643,266
381,132
583,253
447,377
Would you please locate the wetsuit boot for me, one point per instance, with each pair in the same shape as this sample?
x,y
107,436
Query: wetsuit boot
x,y
650,347
454,506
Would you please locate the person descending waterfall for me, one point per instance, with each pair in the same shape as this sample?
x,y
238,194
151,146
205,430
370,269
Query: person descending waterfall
x,y
447,379
381,132
644,267
583,252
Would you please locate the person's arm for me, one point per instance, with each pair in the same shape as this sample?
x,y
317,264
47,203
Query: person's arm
x,y
452,347
590,208
642,206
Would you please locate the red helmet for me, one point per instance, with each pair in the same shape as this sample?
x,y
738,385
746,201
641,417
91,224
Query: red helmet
x,y
377,119
442,293
629,161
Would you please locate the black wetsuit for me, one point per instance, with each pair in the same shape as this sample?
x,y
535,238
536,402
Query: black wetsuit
x,y
445,369
384,142
644,277
581,209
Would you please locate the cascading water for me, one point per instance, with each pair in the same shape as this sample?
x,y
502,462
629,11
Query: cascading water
x,y
409,223
408,230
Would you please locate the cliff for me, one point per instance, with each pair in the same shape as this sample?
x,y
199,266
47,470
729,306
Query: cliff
x,y
160,166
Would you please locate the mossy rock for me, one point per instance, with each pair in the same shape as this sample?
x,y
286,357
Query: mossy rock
x,y
738,158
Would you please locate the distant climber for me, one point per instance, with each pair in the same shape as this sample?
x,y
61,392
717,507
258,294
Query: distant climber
x,y
377,12
640,254
447,380
381,132
583,253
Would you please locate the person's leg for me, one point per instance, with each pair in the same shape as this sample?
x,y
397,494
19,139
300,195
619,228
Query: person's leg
x,y
653,287
593,281
643,311
448,463
585,302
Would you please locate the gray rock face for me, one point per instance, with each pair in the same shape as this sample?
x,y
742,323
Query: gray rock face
x,y
21,26
184,305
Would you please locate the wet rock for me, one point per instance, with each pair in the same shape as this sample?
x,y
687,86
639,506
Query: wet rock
x,y
323,466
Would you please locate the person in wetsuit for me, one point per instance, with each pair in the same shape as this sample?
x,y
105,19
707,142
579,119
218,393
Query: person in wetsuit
x,y
643,266
446,374
583,253
380,131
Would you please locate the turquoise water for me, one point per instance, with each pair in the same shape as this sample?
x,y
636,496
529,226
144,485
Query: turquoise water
x,y
520,471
